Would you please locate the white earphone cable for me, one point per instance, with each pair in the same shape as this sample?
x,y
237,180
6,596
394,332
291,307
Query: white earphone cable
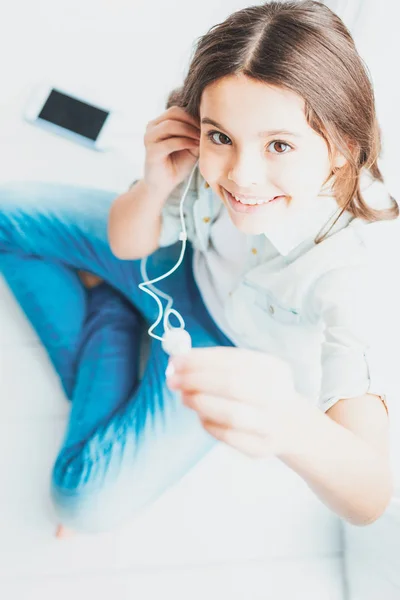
x,y
152,291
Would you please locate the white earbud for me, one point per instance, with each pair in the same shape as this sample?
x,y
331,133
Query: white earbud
x,y
176,341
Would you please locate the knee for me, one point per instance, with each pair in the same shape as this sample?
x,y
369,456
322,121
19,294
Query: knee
x,y
84,512
83,497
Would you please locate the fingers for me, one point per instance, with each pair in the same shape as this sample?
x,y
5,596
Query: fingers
x,y
227,413
208,382
236,373
170,128
226,359
213,357
208,370
177,113
166,147
246,443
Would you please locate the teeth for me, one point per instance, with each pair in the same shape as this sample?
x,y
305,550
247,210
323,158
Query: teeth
x,y
251,201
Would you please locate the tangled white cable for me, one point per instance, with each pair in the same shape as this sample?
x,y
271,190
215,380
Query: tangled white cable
x,y
176,340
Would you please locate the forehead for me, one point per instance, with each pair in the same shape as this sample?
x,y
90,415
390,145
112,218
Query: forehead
x,y
254,104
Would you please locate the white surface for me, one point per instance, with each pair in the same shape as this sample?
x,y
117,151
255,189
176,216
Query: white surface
x,y
301,579
232,528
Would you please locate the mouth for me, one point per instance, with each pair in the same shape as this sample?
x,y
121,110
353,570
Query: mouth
x,y
249,206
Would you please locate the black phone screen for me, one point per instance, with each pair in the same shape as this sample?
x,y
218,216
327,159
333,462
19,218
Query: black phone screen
x,y
75,115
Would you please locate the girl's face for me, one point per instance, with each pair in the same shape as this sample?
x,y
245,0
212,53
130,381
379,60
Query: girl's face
x,y
261,149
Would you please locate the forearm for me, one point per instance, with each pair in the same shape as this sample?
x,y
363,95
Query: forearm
x,y
134,223
347,474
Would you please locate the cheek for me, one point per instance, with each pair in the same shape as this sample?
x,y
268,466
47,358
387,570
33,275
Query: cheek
x,y
306,175
209,164
212,175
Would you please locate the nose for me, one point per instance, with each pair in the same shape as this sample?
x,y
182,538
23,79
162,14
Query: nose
x,y
247,172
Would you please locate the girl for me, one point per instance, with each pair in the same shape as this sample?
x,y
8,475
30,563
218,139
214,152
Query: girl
x,y
278,110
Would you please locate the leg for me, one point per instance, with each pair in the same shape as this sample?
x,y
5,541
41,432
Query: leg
x,y
113,464
61,224
98,332
36,221
147,445
109,363
89,280
55,302
48,234
66,226
150,442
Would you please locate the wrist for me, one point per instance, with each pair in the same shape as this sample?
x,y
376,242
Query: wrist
x,y
156,194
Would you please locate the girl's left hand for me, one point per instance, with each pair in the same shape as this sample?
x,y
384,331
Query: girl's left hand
x,y
243,397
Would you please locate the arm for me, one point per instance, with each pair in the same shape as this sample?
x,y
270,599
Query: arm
x,y
343,455
134,223
247,399
137,225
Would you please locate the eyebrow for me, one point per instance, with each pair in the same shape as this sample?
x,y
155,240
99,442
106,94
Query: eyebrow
x,y
262,134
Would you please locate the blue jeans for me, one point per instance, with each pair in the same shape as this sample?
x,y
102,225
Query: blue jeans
x,y
128,437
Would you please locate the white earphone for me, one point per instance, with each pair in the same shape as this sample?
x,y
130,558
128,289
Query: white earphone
x,y
176,340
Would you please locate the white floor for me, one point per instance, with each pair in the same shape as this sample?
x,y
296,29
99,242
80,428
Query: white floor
x,y
224,582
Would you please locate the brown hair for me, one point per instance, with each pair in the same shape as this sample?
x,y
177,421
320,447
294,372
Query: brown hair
x,y
304,47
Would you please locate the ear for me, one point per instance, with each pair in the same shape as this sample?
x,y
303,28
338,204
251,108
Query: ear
x,y
339,161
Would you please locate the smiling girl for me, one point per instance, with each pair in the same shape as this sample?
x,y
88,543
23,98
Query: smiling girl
x,y
278,111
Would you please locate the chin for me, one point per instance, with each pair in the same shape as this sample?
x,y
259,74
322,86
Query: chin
x,y
247,226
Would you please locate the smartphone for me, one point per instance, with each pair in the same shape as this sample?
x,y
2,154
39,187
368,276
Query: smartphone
x,y
75,118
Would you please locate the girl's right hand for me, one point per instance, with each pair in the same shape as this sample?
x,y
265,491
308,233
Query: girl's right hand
x,y
172,149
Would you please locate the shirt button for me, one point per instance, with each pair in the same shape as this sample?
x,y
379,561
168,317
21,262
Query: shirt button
x,y
254,250
271,309
206,219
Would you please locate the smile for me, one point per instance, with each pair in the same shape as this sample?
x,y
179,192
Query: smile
x,y
248,205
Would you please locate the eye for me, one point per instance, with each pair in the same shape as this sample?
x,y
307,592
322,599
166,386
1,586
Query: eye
x,y
280,144
211,134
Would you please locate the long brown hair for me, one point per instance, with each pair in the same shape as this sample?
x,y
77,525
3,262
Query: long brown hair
x,y
304,47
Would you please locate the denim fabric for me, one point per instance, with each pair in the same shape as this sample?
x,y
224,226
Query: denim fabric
x,y
128,438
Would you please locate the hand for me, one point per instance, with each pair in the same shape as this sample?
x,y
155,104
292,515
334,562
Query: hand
x,y
172,149
244,398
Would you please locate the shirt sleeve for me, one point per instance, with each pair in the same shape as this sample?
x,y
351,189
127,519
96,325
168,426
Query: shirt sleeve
x,y
171,223
352,357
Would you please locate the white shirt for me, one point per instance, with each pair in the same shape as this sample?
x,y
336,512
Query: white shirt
x,y
219,271
281,293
